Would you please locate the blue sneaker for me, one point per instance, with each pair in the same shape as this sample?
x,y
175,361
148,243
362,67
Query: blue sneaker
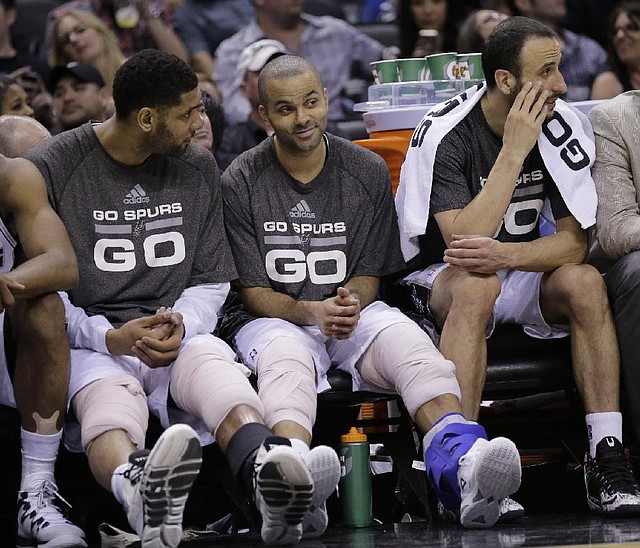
x,y
470,474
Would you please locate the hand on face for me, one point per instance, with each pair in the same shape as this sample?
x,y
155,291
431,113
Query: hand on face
x,y
526,116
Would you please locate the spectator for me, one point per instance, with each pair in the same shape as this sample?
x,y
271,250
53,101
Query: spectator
x,y
210,134
38,260
476,28
332,45
207,84
79,95
151,28
143,209
377,11
583,59
245,135
501,6
312,228
203,24
587,17
334,8
10,59
472,190
37,94
439,15
624,53
79,36
13,98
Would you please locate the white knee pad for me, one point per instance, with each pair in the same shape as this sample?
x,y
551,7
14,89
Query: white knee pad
x,y
403,358
208,384
287,383
112,403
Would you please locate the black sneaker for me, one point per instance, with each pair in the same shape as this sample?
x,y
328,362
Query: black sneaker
x,y
611,487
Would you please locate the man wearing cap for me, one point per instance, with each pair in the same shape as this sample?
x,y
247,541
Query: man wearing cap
x,y
332,45
245,135
79,95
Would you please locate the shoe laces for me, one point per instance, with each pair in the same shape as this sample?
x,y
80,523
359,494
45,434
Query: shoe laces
x,y
616,471
47,504
134,472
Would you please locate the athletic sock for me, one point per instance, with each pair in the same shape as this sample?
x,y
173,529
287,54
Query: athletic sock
x,y
117,483
39,453
601,425
301,447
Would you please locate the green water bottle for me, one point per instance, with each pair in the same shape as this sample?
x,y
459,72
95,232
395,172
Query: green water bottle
x,y
355,480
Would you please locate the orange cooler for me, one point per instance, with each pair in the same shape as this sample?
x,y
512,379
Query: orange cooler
x,y
390,131
393,112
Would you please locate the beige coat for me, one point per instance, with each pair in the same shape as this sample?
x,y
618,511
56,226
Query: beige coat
x,y
616,172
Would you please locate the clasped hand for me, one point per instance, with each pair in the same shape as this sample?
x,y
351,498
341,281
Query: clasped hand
x,y
154,340
338,316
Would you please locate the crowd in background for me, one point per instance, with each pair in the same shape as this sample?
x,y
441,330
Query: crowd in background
x,y
91,60
340,38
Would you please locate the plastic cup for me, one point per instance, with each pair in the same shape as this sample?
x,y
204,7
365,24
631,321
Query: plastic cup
x,y
127,15
470,66
385,72
411,70
442,66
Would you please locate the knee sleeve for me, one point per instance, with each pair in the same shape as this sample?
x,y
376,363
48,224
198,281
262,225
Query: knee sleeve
x,y
403,358
287,383
208,384
112,403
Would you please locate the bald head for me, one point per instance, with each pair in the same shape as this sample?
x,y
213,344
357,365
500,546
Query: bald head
x,y
19,134
284,66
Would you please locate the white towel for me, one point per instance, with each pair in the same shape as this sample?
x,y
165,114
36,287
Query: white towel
x,y
566,146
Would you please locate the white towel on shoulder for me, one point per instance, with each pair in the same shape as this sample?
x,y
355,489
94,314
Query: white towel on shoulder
x,y
566,146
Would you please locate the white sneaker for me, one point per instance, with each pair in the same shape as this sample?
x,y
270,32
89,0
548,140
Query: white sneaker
x,y
510,510
112,537
157,486
41,522
324,465
283,490
487,473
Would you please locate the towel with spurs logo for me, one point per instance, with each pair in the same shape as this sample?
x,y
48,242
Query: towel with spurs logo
x,y
566,146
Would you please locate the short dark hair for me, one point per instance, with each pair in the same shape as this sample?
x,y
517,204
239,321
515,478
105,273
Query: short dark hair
x,y
283,66
215,113
151,78
8,4
504,45
5,82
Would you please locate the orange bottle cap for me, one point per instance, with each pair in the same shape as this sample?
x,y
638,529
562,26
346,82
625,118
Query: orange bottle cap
x,y
354,436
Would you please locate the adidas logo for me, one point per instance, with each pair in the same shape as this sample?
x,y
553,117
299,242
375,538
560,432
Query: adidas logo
x,y
136,195
301,210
